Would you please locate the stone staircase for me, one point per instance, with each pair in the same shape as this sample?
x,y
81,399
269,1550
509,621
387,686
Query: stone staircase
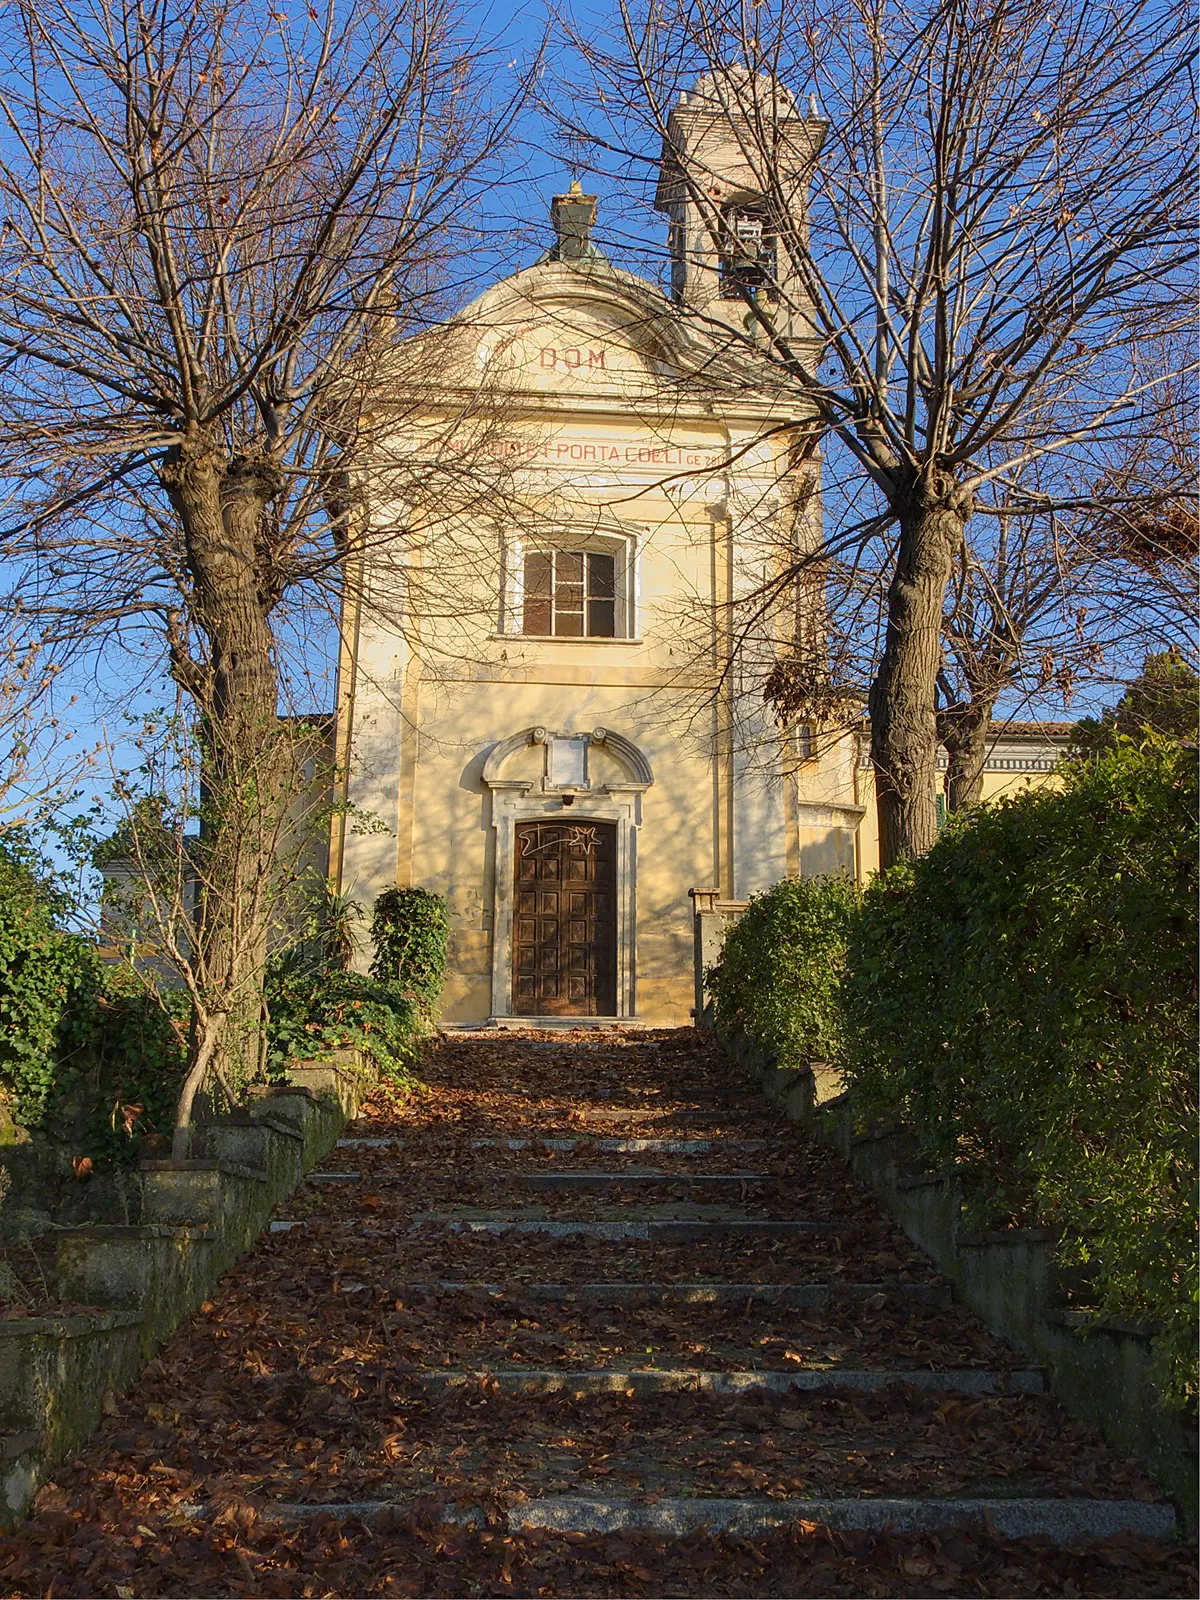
x,y
585,1316
677,1328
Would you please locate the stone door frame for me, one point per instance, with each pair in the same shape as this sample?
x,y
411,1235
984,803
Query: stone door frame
x,y
565,794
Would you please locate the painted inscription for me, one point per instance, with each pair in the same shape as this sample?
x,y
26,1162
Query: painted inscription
x,y
601,453
573,359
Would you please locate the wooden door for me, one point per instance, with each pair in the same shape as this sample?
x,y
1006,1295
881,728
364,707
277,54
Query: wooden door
x,y
565,928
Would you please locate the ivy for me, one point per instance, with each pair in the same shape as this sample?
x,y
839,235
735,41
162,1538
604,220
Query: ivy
x,y
119,1073
409,929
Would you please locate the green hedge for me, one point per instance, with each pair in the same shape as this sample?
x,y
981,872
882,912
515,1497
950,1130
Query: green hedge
x,y
46,978
87,1057
91,1061
1025,998
781,967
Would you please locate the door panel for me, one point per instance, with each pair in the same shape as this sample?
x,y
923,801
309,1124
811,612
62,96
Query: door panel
x,y
565,928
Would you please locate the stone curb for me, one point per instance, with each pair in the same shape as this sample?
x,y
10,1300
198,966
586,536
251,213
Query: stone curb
x,y
199,1215
1103,1376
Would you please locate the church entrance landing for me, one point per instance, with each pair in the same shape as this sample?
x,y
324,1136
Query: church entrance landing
x,y
565,933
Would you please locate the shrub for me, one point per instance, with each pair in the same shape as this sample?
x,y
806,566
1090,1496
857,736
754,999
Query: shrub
x,y
781,966
314,1012
409,929
46,975
88,1058
1025,998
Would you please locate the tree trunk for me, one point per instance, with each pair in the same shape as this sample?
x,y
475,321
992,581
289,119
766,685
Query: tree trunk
x,y
932,513
964,736
246,775
205,1043
965,767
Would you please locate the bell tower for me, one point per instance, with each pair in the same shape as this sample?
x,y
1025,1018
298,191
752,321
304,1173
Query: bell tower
x,y
733,181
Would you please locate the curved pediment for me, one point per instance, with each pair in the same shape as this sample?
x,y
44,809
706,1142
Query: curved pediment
x,y
589,329
601,760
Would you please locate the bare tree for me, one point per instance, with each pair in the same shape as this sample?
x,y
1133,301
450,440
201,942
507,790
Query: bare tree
x,y
1036,611
1149,525
40,755
159,873
1091,566
947,260
217,219
1011,629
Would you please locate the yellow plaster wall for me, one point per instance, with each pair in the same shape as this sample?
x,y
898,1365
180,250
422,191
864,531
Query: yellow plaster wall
x,y
453,840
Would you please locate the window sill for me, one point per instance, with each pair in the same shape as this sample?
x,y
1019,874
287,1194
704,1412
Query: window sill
x,y
559,638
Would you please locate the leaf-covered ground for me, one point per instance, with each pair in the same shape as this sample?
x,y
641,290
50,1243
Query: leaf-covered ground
x,y
309,1377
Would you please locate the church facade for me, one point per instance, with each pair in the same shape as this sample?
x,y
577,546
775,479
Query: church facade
x,y
564,760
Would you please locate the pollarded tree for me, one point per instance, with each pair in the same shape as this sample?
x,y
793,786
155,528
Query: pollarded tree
x,y
949,257
217,216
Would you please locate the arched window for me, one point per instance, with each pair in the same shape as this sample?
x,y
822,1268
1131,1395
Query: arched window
x,y
749,249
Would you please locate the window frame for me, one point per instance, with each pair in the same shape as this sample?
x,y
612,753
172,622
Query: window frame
x,y
622,547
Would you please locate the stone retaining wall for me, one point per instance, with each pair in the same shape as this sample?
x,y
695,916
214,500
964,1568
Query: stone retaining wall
x,y
198,1217
1101,1373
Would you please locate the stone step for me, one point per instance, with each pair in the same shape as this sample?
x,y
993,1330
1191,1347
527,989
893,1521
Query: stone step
x,y
1057,1519
583,1178
666,1230
643,1208
663,1114
674,1380
370,1144
655,1101
795,1295
601,1180
672,1147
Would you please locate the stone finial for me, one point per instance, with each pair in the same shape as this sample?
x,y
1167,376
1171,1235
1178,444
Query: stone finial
x,y
573,214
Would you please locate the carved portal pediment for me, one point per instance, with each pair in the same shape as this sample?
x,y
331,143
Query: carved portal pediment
x,y
539,759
